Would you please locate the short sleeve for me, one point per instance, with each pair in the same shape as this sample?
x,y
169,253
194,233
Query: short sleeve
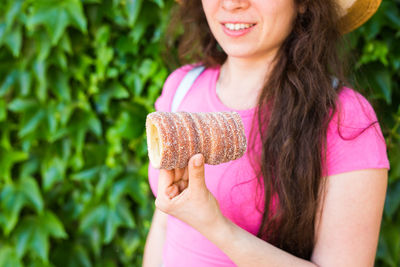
x,y
354,138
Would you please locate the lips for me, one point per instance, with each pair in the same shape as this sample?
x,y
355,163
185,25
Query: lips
x,y
237,29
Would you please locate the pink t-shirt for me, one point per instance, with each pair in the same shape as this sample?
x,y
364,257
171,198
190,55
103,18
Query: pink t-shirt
x,y
234,184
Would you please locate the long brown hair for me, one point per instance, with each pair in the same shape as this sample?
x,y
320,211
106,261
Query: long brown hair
x,y
300,101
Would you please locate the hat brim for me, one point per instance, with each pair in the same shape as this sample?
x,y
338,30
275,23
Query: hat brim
x,y
358,14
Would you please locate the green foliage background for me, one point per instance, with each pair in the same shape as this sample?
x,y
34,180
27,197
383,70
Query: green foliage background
x,y
77,79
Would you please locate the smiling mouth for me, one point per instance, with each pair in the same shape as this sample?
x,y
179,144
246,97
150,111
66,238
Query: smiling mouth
x,y
238,26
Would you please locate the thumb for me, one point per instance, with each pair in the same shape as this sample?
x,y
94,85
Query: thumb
x,y
196,171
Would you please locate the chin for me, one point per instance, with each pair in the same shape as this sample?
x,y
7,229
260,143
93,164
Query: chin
x,y
239,51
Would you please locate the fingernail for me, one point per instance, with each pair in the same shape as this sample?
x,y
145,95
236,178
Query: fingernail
x,y
198,161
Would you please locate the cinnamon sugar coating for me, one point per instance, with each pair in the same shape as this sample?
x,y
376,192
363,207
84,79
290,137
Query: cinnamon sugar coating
x,y
174,137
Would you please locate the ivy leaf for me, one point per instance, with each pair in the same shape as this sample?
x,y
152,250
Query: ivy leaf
x,y
160,3
95,126
12,202
93,217
76,15
29,167
8,157
107,177
32,123
25,81
8,257
130,242
80,257
383,80
53,226
53,17
8,82
111,225
14,197
133,8
116,217
12,12
117,190
34,232
65,44
87,175
52,121
114,91
30,189
22,104
39,243
108,218
5,142
13,40
53,171
125,215
43,44
40,68
56,16
22,236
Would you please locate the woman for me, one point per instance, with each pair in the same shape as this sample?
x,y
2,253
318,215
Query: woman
x,y
311,187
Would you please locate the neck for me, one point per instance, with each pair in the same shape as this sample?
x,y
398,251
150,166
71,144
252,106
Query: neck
x,y
241,81
244,75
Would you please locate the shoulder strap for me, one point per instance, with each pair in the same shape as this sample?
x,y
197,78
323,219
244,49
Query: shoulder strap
x,y
185,85
335,82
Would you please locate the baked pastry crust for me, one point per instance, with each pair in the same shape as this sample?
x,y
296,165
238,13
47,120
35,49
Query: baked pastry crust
x,y
174,137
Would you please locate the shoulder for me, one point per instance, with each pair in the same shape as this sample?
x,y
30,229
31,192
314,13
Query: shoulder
x,y
353,110
354,137
163,102
177,75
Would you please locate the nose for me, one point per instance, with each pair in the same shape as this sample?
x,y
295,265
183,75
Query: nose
x,y
233,5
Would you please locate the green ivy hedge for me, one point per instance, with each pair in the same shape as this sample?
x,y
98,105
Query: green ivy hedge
x,y
377,51
77,79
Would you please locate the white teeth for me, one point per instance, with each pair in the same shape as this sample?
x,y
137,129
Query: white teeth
x,y
238,26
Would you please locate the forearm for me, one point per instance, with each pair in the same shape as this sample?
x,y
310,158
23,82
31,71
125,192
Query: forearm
x,y
155,241
245,249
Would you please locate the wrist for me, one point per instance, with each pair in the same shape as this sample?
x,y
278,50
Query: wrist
x,y
218,232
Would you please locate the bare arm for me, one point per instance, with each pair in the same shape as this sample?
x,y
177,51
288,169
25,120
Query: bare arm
x,y
155,240
347,234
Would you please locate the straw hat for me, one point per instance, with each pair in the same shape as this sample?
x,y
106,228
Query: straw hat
x,y
354,13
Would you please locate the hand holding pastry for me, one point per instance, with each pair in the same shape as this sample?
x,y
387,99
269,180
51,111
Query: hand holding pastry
x,y
193,204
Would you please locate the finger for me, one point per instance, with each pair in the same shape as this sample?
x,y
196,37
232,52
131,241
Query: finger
x,y
186,174
196,171
172,191
165,179
179,174
182,184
